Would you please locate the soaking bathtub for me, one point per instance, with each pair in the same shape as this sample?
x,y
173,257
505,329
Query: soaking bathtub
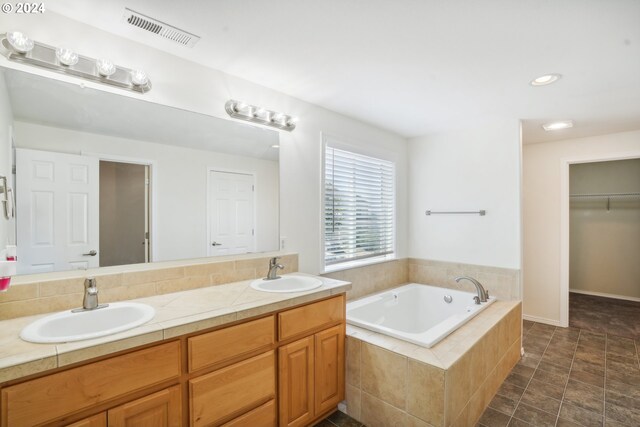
x,y
416,313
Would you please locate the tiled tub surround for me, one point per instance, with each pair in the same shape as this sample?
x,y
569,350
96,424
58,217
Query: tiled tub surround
x,y
503,283
45,293
177,314
372,278
395,383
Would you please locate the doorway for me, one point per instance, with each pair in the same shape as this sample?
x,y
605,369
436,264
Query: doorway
x,y
604,246
231,213
124,213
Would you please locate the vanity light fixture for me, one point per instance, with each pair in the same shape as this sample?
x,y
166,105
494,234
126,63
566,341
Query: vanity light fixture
x,y
546,79
251,113
18,47
19,41
564,124
66,56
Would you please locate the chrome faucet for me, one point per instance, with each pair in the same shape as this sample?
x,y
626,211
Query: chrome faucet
x,y
483,295
90,300
273,269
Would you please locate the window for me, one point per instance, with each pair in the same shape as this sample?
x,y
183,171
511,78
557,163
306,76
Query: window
x,y
359,205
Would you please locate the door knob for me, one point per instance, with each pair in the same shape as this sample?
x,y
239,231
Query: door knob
x,y
216,244
91,253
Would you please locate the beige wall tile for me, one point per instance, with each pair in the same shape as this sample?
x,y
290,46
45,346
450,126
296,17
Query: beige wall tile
x,y
139,277
354,402
10,310
384,374
458,380
373,278
425,392
353,361
234,276
19,293
377,413
61,287
183,284
417,422
123,293
209,268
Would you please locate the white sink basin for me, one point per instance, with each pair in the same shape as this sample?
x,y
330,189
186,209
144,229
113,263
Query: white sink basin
x,y
287,284
68,326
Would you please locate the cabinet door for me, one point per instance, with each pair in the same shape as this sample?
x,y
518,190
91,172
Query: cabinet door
x,y
296,383
329,368
161,409
99,420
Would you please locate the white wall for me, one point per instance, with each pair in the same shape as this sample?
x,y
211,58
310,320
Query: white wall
x,y
467,170
6,122
541,213
180,185
605,243
184,84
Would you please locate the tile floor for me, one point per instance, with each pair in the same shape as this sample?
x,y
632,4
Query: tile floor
x,y
338,419
570,377
608,315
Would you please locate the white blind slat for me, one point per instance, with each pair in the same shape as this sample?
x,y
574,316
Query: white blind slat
x,y
359,206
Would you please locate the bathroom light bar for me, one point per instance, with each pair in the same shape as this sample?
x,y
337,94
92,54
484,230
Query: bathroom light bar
x,y
251,113
19,48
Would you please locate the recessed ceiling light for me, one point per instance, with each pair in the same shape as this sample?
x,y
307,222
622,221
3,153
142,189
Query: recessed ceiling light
x,y
564,124
546,79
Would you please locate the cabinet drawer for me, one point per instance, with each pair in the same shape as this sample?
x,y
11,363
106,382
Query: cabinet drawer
x,y
309,318
262,416
228,343
233,390
51,397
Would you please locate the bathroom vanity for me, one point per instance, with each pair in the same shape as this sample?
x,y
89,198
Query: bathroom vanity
x,y
283,366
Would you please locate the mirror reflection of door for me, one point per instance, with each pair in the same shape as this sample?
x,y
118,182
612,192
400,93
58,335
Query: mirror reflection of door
x,y
124,213
57,203
231,213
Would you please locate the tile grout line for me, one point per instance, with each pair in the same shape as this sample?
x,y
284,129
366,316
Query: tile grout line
x,y
573,358
532,375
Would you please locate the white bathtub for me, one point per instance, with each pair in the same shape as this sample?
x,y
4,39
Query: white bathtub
x,y
415,313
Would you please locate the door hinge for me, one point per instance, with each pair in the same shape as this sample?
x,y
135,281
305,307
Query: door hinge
x,y
253,232
147,182
253,188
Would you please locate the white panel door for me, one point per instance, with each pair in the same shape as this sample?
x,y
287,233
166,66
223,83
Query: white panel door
x,y
57,211
231,213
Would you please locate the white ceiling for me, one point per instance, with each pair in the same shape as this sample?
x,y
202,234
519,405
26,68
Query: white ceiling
x,y
415,67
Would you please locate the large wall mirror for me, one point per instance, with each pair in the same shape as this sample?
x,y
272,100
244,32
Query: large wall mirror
x,y
103,179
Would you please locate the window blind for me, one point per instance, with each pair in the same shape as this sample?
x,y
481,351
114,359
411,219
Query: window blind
x,y
358,206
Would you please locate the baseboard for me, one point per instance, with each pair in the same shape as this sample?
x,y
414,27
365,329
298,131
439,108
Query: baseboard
x,y
541,320
605,295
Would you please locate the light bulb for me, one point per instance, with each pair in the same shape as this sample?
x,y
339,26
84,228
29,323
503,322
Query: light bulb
x,y
139,77
105,67
66,56
19,41
291,121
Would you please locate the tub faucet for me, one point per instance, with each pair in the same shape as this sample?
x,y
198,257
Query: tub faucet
x,y
90,300
273,269
482,293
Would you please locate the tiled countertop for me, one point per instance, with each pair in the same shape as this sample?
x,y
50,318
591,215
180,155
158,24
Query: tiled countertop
x,y
177,314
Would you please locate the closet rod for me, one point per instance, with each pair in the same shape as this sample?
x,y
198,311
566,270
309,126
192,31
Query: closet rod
x,y
481,212
606,195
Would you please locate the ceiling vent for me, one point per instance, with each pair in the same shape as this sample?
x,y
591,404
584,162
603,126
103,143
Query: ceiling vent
x,y
154,26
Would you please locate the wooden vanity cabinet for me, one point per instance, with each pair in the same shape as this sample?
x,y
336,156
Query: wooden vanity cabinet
x,y
282,369
311,369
